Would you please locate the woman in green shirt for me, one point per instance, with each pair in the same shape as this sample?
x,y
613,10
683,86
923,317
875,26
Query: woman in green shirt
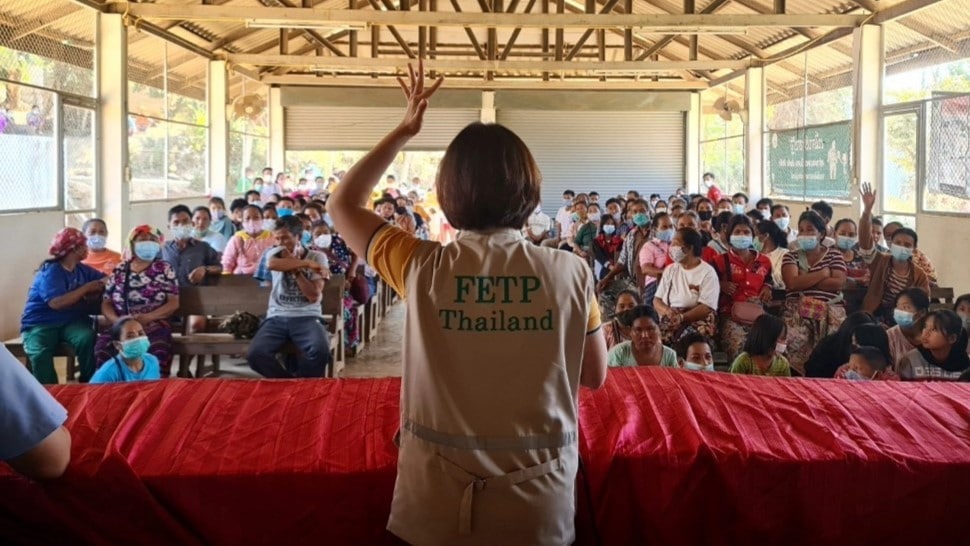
x,y
584,231
763,349
644,347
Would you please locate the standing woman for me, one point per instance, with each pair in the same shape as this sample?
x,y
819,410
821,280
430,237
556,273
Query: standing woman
x,y
61,298
467,385
814,276
745,276
145,288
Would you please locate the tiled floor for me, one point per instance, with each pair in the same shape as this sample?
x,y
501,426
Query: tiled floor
x,y
382,358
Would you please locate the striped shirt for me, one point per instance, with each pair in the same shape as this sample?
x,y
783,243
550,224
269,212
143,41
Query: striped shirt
x,y
832,259
895,284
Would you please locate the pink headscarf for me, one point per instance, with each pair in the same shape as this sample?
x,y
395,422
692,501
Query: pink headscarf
x,y
65,241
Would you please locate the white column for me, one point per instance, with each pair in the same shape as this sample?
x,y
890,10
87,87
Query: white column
x,y
488,107
113,197
218,128
754,141
867,78
277,148
692,171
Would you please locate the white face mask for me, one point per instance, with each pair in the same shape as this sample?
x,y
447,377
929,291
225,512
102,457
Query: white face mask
x,y
269,224
695,367
324,241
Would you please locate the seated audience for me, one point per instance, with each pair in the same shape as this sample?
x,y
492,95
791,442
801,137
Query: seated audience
x,y
721,241
942,355
270,217
60,302
653,256
644,347
537,228
724,204
962,308
772,242
919,258
867,363
764,349
877,236
613,331
143,287
694,353
868,335
606,246
763,206
833,350
781,217
356,291
626,272
35,442
814,276
890,273
201,223
221,222
99,257
912,307
248,245
688,291
294,312
825,210
133,361
745,276
847,241
191,260
582,233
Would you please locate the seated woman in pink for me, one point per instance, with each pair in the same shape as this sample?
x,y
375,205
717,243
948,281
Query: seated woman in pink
x,y
653,254
248,245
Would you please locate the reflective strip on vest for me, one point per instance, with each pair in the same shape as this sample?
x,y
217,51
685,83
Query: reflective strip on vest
x,y
481,443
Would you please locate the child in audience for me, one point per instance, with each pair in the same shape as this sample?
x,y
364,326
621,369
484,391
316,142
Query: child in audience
x,y
614,332
912,306
867,363
943,352
962,308
653,254
222,222
248,245
606,246
644,347
99,257
763,349
694,353
133,361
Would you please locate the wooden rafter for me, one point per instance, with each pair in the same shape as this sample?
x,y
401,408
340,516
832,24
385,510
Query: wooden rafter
x,y
470,33
663,42
515,33
589,32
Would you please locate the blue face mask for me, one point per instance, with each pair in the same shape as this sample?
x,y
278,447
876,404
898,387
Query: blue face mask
x,y
283,213
783,222
666,235
575,217
738,208
758,245
147,250
609,229
807,243
306,238
904,319
853,375
846,243
901,253
641,219
741,242
134,348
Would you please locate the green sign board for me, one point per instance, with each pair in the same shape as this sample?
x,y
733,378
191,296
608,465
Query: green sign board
x,y
814,162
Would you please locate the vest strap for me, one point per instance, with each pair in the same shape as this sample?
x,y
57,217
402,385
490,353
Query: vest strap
x,y
484,443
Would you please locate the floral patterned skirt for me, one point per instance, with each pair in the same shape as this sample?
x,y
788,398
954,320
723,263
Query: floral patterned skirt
x,y
672,330
804,334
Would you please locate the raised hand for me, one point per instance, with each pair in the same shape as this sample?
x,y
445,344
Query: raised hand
x,y
417,96
868,195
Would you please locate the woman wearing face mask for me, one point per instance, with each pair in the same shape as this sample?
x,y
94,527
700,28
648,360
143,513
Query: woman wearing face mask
x,y
694,353
222,222
644,347
613,331
99,257
626,272
133,361
660,207
912,306
724,205
356,291
764,350
962,308
782,218
721,242
739,203
606,246
745,278
833,350
583,233
653,256
248,245
942,355
705,209
847,241
890,273
814,276
201,222
145,288
688,291
770,241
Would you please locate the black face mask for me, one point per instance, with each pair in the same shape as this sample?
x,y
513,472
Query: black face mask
x,y
705,215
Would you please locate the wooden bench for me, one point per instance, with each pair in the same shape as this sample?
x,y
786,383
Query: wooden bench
x,y
65,350
237,293
372,314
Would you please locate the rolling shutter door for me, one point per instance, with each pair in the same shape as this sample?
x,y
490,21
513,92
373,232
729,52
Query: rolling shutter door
x,y
359,128
609,152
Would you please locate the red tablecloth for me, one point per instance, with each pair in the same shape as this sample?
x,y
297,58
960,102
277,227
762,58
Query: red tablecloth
x,y
671,458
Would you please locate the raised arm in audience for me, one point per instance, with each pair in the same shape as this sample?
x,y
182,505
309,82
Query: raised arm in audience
x,y
865,222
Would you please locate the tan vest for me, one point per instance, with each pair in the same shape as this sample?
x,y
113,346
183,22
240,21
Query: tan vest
x,y
493,345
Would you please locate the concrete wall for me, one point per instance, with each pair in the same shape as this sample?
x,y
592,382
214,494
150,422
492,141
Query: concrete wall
x,y
30,236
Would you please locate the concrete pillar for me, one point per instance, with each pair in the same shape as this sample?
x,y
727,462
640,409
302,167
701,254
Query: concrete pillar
x,y
488,107
867,79
692,171
113,195
277,146
218,128
754,150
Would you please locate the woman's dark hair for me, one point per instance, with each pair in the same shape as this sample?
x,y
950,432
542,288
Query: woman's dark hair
x,y
633,293
844,334
236,204
254,207
877,221
607,219
683,345
948,323
874,356
290,223
488,179
845,221
627,318
87,224
252,192
779,206
314,206
873,335
657,218
774,233
964,298
909,232
765,201
741,195
823,209
202,209
692,240
217,200
118,327
722,220
764,335
178,209
919,298
740,219
813,218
